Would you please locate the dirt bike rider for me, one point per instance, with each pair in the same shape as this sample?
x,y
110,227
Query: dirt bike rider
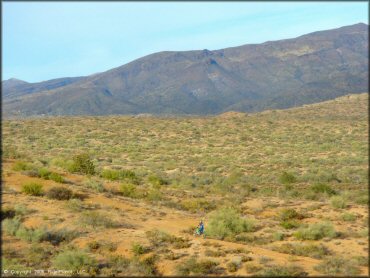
x,y
200,228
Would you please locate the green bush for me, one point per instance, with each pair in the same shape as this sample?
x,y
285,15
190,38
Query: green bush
x,y
129,190
59,193
154,195
44,173
95,185
347,216
288,214
197,204
227,223
119,175
316,231
83,164
22,166
159,239
287,178
11,226
323,188
194,267
338,266
339,202
317,251
32,188
56,177
120,266
290,224
76,261
31,234
96,219
138,249
156,181
281,271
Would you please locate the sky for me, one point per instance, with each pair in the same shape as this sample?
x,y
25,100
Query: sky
x,y
46,40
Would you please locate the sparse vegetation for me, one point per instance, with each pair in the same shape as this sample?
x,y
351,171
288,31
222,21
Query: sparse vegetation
x,y
279,180
337,266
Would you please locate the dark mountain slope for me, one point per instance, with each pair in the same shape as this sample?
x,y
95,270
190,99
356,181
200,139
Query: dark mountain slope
x,y
280,74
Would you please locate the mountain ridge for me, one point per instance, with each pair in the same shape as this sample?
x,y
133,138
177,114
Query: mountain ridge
x,y
252,77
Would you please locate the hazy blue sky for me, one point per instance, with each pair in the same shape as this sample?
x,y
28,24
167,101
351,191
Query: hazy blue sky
x,y
48,40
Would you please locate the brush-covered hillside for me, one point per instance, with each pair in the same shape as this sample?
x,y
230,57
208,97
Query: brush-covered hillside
x,y
281,192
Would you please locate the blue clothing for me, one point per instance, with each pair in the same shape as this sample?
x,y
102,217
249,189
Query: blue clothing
x,y
201,228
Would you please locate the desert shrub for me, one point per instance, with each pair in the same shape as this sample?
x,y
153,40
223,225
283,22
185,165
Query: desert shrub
x,y
361,260
75,205
44,173
323,188
337,266
278,236
226,223
154,195
214,253
317,251
15,265
363,233
288,214
316,231
31,234
59,193
287,178
38,255
95,185
7,212
76,261
196,205
83,164
32,188
156,180
129,190
253,268
232,266
194,267
11,226
121,266
56,177
113,175
162,239
347,216
339,202
22,166
290,224
96,219
55,237
138,249
281,271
